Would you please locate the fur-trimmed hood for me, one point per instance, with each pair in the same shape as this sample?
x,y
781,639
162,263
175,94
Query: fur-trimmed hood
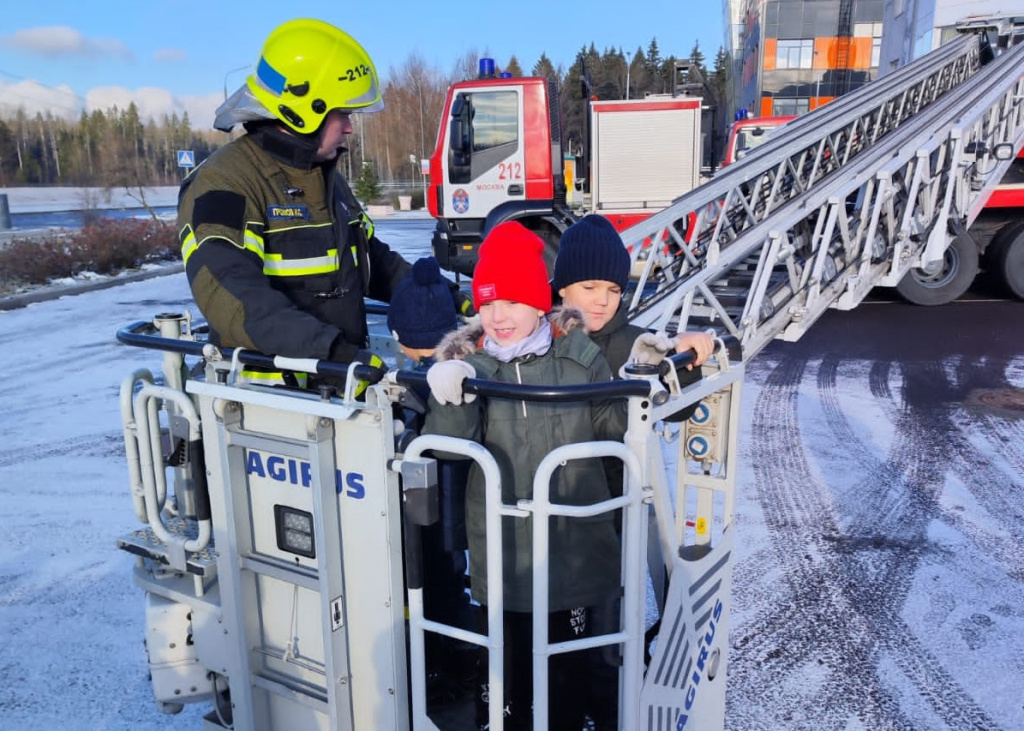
x,y
469,338
519,434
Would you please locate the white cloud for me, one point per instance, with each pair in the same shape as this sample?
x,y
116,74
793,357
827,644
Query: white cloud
x,y
154,103
34,98
172,55
60,40
62,102
151,102
201,110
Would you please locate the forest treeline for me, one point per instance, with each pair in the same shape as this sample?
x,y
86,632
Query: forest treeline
x,y
117,149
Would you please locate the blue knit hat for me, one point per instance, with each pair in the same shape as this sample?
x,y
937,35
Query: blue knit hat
x,y
422,309
591,249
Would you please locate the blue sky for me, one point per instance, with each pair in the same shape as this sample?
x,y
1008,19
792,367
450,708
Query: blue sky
x,y
68,55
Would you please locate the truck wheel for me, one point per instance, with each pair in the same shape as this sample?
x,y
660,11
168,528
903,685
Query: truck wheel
x,y
946,280
551,237
1006,258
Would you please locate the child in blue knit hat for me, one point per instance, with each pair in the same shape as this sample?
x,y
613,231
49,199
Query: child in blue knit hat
x,y
591,273
421,312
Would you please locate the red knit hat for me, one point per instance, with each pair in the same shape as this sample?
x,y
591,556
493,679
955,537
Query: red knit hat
x,y
511,267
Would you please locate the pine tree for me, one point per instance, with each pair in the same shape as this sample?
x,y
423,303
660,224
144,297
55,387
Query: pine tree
x,y
367,185
513,67
545,68
697,64
653,59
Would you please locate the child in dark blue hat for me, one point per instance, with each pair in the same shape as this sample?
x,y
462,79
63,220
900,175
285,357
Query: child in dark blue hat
x,y
421,312
591,273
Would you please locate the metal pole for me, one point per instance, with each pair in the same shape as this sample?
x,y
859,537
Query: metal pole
x,y
422,144
362,153
5,213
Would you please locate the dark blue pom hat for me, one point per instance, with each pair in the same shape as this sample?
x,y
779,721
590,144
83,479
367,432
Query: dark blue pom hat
x,y
422,309
591,249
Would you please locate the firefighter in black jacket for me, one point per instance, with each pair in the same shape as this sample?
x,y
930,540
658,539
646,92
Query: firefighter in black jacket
x,y
278,252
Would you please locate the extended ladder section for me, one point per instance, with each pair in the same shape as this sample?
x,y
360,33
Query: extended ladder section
x,y
843,199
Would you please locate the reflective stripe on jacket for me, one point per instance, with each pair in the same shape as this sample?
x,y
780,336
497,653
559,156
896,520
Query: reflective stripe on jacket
x,y
278,252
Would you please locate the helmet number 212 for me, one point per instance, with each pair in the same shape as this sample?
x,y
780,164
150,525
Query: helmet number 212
x,y
356,72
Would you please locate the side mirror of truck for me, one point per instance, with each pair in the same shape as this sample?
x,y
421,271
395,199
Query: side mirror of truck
x,y
1003,151
579,182
460,131
457,139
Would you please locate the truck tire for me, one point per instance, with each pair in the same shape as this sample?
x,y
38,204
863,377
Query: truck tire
x,y
1005,258
551,237
947,280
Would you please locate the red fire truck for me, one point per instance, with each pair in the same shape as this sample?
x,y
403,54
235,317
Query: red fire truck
x,y
997,233
499,157
747,134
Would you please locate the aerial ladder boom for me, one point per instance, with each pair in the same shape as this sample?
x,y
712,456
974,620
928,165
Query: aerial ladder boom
x,y
843,199
836,202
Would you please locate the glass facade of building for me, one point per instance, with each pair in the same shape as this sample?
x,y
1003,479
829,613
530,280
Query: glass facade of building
x,y
795,55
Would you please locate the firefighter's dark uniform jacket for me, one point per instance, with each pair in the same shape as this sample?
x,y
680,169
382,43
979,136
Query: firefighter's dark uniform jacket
x,y
278,252
584,557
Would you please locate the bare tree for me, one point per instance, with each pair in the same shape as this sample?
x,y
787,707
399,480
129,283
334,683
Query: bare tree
x,y
468,67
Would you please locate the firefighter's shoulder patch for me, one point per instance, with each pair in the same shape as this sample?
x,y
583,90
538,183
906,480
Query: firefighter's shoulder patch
x,y
219,208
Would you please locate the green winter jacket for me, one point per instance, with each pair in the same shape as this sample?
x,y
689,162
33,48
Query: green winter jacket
x,y
278,252
584,552
616,340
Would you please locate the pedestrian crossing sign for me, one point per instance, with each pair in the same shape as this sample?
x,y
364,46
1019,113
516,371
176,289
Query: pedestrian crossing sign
x,y
186,158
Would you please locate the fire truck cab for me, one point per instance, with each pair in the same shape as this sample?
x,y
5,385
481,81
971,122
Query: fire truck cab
x,y
499,157
749,133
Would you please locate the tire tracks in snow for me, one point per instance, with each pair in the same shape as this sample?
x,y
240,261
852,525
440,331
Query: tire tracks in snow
x,y
846,585
891,510
103,444
935,395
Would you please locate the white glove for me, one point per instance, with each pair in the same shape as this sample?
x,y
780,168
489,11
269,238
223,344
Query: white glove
x,y
650,348
445,380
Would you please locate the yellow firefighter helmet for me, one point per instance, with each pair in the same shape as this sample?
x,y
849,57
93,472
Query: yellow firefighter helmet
x,y
309,67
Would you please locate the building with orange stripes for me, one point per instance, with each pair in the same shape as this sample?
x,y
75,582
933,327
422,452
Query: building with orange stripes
x,y
792,56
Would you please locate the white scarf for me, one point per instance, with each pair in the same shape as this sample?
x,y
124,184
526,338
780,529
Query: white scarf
x,y
538,343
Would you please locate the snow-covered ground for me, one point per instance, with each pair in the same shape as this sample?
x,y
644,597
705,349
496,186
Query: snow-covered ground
x,y
72,621
68,198
879,578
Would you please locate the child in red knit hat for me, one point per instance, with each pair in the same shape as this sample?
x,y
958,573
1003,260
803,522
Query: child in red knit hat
x,y
517,340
